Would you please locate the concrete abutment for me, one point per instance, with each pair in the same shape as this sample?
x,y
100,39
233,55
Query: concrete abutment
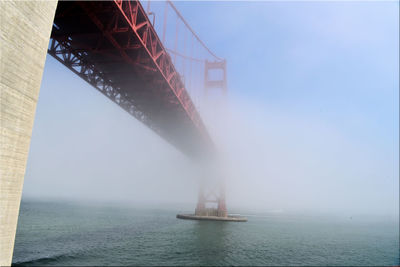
x,y
25,29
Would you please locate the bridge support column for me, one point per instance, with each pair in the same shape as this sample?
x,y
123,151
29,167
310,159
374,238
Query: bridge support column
x,y
222,211
24,36
201,203
210,196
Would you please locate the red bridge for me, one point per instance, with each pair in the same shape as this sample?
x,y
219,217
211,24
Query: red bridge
x,y
113,46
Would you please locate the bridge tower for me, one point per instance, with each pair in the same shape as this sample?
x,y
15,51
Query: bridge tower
x,y
218,82
211,194
214,79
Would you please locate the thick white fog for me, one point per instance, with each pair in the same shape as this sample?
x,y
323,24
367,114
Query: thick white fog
x,y
310,122
87,148
281,160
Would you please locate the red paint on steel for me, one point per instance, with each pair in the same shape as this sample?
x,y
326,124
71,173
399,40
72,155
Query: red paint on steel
x,y
114,47
209,83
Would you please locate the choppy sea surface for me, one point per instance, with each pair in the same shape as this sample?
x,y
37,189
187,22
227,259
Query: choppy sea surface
x,y
65,234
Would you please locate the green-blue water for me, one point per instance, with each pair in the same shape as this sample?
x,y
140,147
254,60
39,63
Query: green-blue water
x,y
70,234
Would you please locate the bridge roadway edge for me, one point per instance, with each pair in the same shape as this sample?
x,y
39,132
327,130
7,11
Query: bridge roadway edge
x,y
24,36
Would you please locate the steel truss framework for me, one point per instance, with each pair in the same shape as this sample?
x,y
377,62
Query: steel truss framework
x,y
114,47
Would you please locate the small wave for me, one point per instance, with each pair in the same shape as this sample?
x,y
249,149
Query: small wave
x,y
45,260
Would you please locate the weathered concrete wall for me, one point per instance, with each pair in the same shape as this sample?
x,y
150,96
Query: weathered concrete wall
x,y
25,28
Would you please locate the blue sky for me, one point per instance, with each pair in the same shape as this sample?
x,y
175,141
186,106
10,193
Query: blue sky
x,y
339,59
313,87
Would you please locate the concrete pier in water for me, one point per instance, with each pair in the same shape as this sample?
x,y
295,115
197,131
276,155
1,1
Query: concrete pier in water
x,y
211,218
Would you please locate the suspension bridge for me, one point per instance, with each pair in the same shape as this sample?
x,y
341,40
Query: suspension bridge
x,y
116,47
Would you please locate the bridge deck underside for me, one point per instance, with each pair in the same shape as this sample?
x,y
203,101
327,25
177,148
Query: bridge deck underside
x,y
113,46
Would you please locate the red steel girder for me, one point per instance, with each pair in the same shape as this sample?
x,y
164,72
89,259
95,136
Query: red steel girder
x,y
137,18
114,47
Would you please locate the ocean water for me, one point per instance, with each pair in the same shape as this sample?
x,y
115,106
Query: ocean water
x,y
65,234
